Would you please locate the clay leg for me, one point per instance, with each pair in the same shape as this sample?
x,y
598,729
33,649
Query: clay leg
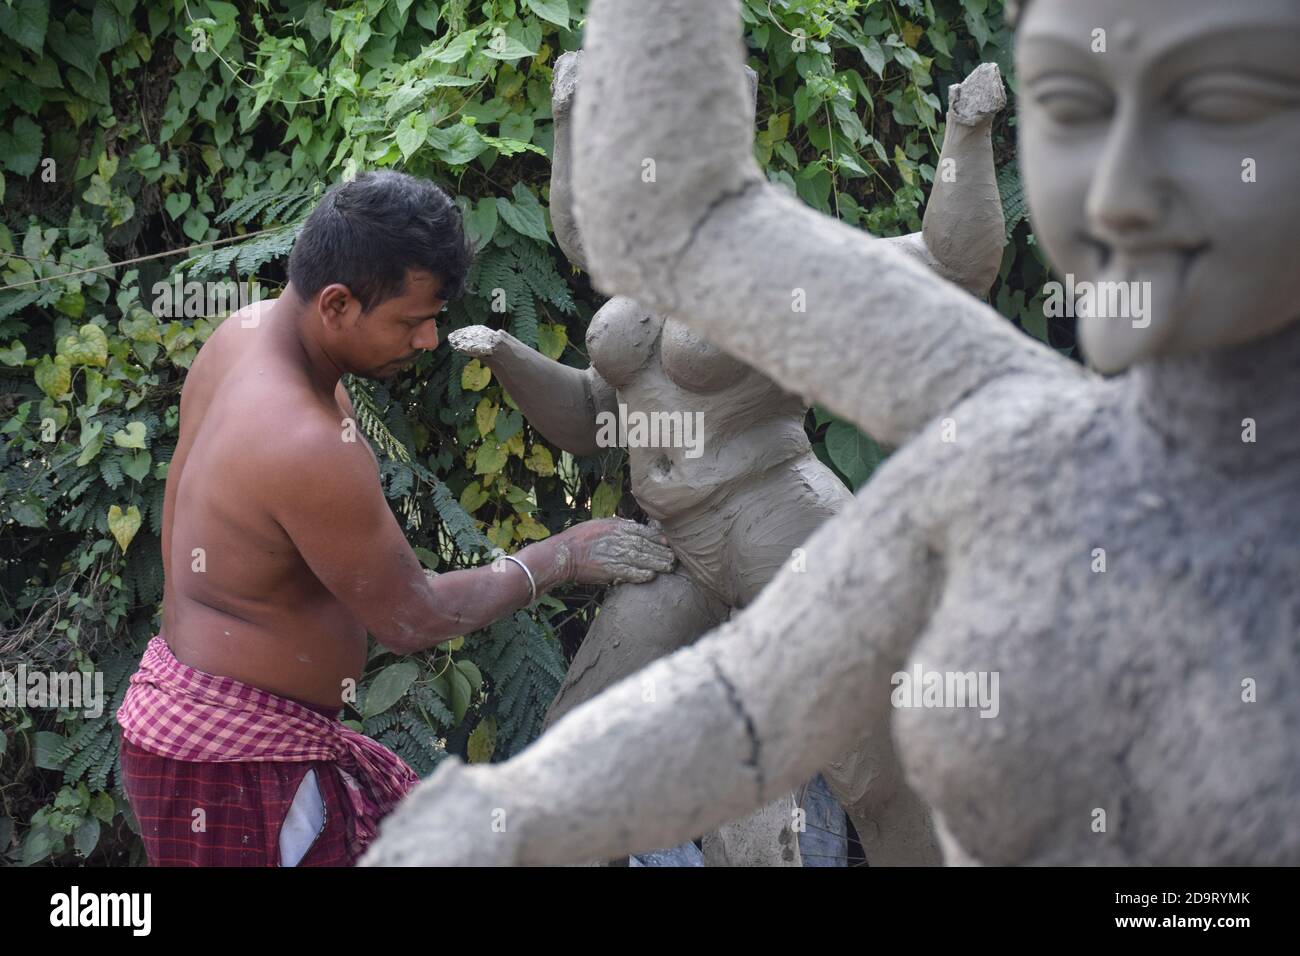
x,y
892,822
636,624
764,838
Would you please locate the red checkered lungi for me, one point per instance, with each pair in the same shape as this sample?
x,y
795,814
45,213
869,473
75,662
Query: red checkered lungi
x,y
198,741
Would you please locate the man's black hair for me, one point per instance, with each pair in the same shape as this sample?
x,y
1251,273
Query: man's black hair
x,y
368,232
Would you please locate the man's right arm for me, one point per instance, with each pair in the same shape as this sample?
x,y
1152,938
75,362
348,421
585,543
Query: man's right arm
x,y
347,535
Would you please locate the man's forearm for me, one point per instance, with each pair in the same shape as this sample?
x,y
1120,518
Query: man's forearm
x,y
466,600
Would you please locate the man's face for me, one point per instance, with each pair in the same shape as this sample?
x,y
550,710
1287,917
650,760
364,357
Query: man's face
x,y
1158,142
381,342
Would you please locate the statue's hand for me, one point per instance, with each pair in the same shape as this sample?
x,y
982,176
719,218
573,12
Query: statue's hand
x,y
979,97
451,819
477,341
564,82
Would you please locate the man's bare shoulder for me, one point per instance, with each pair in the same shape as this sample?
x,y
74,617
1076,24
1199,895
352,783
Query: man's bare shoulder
x,y
249,316
314,439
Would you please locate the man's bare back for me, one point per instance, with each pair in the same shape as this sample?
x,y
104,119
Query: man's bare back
x,y
239,598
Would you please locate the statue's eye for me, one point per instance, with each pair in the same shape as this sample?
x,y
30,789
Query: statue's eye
x,y
1073,101
1234,98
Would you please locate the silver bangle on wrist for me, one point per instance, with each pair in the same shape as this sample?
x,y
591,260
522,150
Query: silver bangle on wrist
x,y
532,584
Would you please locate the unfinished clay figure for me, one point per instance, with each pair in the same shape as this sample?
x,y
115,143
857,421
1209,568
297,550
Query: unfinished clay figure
x,y
742,489
1121,553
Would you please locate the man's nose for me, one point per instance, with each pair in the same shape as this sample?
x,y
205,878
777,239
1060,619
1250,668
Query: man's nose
x,y
426,336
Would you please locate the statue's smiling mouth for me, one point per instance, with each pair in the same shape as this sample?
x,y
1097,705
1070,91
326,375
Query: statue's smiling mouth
x,y
1134,260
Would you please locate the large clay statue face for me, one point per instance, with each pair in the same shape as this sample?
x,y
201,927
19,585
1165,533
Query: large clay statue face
x,y
1135,161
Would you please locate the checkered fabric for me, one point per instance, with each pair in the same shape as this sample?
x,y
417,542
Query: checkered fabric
x,y
176,712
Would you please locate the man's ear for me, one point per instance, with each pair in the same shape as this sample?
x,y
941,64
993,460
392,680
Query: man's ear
x,y
337,306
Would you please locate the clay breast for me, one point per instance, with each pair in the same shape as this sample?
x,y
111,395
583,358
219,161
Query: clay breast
x,y
621,338
695,364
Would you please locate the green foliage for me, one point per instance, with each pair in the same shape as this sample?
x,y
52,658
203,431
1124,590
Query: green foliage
x,y
195,136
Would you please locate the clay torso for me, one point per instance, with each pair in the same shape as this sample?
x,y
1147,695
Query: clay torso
x,y
747,424
1135,673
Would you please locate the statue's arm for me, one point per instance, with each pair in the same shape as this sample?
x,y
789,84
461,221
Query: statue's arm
x,y
713,731
708,240
564,84
963,231
559,401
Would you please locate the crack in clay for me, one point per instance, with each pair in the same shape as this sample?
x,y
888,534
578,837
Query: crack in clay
x,y
755,745
726,197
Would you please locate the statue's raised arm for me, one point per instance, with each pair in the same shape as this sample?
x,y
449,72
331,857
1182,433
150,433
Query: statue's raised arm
x,y
674,211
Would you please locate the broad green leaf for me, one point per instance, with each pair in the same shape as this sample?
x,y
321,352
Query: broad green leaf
x,y
556,11
489,457
485,415
853,453
38,844
110,28
482,741
20,150
388,687
604,501
411,134
15,353
524,214
481,223
25,22
539,460
177,203
86,837
457,144
123,525
474,377
54,376
426,14
472,674
71,304
530,529
45,748
137,466
195,225
502,47
473,497
509,425
132,436
460,693
92,443
74,48
551,339
455,51
102,806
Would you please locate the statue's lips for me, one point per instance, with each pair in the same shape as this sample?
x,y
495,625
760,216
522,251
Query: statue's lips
x,y
1167,267
1157,257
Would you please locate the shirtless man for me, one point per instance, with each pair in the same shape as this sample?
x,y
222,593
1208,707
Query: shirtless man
x,y
280,552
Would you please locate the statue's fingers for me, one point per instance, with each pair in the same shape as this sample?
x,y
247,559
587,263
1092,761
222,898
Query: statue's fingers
x,y
476,340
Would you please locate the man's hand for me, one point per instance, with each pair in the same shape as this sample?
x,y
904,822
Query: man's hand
x,y
476,341
610,550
